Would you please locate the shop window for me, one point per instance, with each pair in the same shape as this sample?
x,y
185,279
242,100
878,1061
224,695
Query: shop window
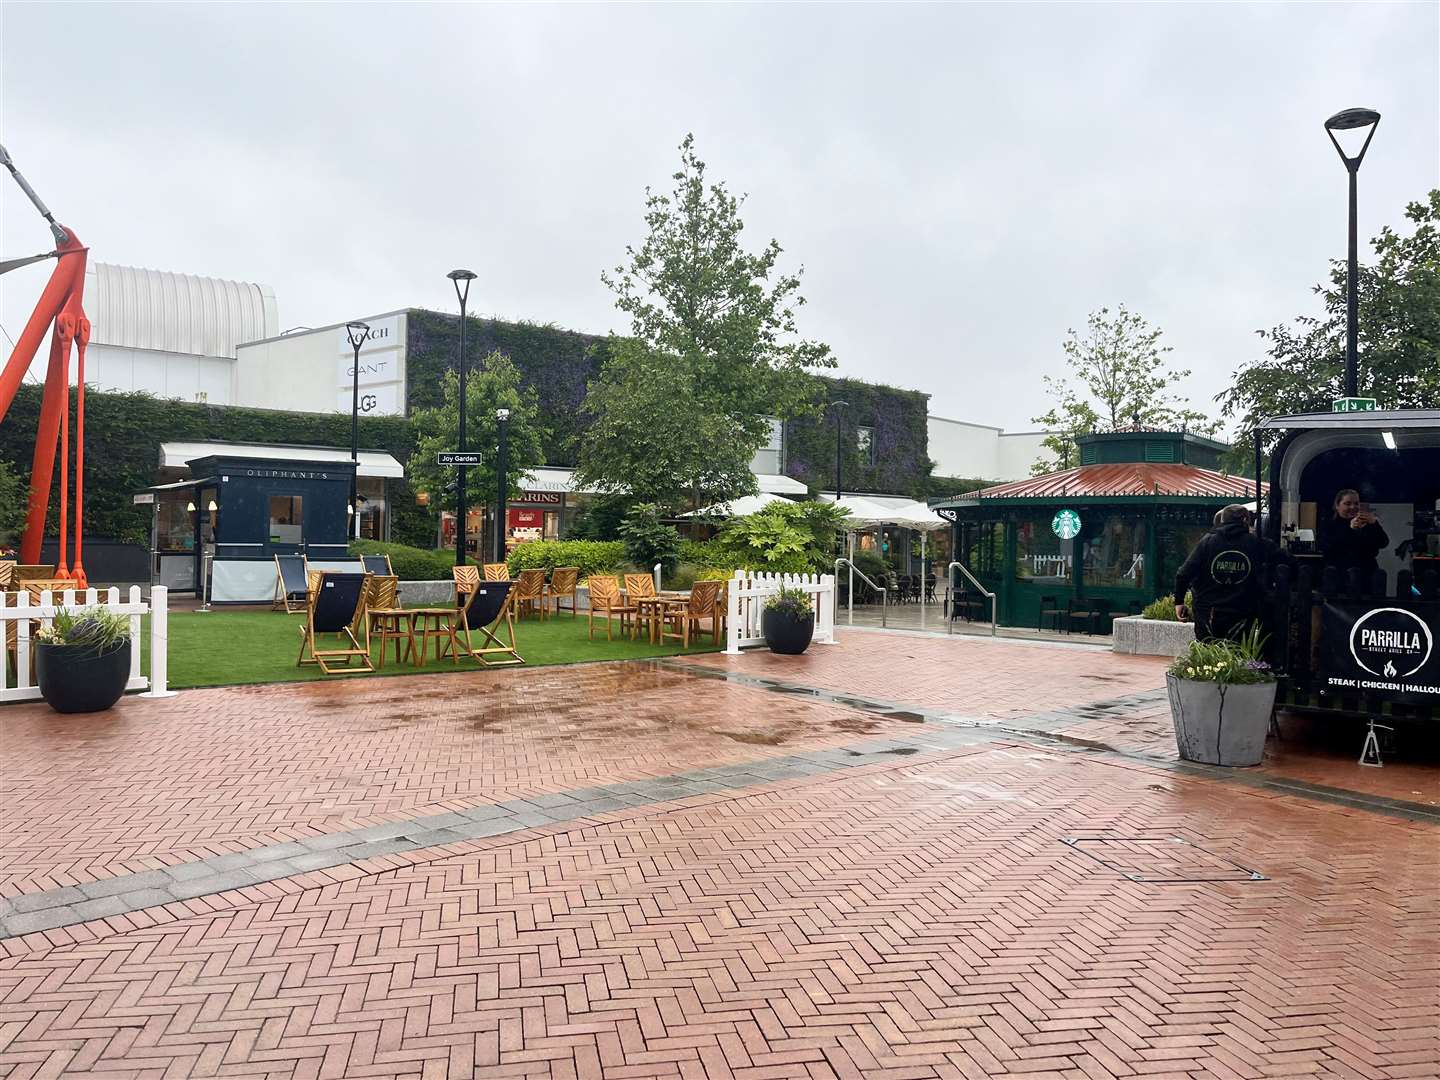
x,y
770,457
174,526
1115,554
865,444
287,519
1040,555
986,548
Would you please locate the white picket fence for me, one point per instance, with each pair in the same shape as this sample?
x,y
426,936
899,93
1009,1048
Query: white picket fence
x,y
20,616
748,593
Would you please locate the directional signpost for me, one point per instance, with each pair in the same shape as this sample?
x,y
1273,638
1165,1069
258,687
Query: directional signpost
x,y
457,459
1353,404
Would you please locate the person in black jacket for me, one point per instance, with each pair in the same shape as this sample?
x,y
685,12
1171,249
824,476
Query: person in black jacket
x,y
1352,537
1226,572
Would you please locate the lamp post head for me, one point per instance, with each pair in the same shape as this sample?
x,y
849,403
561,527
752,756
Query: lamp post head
x,y
462,279
502,415
1352,120
357,332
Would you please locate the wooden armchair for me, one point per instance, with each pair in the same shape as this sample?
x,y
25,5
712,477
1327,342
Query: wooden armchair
x,y
564,581
529,593
34,572
638,586
497,571
681,620
7,574
385,616
605,602
467,580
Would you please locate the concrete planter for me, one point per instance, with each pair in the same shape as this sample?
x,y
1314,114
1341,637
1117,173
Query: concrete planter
x,y
1151,637
1221,723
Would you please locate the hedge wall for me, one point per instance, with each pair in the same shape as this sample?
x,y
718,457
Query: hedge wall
x,y
122,452
901,441
557,364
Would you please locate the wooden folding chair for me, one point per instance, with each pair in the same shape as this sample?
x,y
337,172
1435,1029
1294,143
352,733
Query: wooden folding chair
x,y
605,600
564,581
7,574
681,619
379,565
530,593
291,583
489,608
336,606
497,571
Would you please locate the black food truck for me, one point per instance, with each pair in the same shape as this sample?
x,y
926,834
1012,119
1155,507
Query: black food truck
x,y
1354,502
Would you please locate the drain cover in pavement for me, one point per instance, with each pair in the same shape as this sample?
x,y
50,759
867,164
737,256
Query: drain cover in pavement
x,y
1161,860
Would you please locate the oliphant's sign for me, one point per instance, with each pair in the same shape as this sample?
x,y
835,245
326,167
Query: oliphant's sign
x,y
1383,649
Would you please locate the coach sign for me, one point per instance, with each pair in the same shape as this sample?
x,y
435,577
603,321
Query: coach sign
x,y
1377,647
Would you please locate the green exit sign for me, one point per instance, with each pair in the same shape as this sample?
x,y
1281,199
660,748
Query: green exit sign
x,y
1353,404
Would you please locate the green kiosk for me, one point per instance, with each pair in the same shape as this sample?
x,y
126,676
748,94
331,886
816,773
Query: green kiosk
x,y
1070,550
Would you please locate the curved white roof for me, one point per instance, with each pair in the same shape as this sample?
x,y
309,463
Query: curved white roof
x,y
179,313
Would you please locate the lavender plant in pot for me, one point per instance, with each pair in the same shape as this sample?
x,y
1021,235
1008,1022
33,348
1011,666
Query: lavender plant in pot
x,y
1221,696
788,621
82,662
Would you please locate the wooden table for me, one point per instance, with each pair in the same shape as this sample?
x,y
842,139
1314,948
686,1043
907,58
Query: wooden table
x,y
436,622
652,609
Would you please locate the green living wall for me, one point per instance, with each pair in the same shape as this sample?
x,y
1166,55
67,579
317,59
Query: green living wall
x,y
122,452
899,463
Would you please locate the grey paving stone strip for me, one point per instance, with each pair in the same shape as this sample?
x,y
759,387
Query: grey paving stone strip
x,y
124,893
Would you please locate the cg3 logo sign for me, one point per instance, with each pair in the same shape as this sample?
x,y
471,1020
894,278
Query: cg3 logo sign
x,y
1391,642
368,402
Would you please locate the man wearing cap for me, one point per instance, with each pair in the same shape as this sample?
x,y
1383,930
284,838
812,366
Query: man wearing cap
x,y
1226,573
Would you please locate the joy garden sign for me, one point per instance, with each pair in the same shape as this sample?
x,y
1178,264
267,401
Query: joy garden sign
x,y
1066,525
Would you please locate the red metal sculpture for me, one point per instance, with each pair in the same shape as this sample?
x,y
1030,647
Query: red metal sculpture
x,y
60,305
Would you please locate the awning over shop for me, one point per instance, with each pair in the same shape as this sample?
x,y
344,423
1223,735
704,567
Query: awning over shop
x,y
175,455
1127,480
746,504
563,480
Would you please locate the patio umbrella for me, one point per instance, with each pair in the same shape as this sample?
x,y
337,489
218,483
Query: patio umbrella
x,y
746,504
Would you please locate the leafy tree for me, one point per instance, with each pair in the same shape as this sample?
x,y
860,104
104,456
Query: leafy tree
x,y
1399,335
14,498
495,386
785,537
648,540
1119,378
714,321
657,436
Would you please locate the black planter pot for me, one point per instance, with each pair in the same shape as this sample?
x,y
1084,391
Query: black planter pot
x,y
77,679
786,632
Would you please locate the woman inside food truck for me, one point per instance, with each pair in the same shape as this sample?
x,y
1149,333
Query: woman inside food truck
x,y
1352,537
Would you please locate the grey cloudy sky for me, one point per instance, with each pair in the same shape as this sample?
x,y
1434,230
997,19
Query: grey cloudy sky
x,y
961,182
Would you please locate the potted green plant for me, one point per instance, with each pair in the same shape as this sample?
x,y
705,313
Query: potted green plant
x,y
82,662
788,621
1221,696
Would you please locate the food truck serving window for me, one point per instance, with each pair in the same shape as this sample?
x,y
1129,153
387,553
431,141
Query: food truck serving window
x,y
286,519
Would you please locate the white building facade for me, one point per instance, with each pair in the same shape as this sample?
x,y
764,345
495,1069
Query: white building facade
x,y
981,452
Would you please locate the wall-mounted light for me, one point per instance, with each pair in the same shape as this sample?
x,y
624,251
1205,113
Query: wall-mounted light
x,y
349,509
422,498
212,507
1389,438
189,507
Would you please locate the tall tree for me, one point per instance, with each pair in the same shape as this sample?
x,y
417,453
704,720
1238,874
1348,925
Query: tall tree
x,y
496,385
1399,335
1118,377
717,320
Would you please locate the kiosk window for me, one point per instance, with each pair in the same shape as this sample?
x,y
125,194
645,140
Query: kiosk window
x,y
1040,555
174,526
1115,555
286,516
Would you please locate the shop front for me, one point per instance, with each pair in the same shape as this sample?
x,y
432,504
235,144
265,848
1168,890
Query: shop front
x,y
1108,535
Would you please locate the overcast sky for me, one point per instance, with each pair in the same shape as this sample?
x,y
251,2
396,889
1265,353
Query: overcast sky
x,y
961,183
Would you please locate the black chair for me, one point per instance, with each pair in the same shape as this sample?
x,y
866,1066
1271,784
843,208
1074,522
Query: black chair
x,y
902,588
486,608
1103,615
291,588
337,607
1080,608
1050,609
379,565
930,588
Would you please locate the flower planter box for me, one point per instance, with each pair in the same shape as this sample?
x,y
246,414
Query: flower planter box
x,y
787,633
1221,723
79,679
1151,637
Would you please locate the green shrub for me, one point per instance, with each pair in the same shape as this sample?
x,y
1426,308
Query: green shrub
x,y
794,601
591,556
1163,609
714,573
783,538
97,629
1225,661
409,563
648,540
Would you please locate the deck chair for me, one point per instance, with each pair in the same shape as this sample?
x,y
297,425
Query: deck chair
x,y
563,583
290,583
489,609
336,607
530,593
497,571
379,565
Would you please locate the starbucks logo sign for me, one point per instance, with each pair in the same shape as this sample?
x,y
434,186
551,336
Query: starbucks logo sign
x,y
1066,525
1391,642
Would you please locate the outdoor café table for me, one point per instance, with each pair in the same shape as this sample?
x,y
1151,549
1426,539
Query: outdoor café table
x,y
651,610
436,622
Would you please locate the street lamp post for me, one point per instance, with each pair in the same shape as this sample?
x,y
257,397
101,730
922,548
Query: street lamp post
x,y
833,405
461,279
1351,120
358,333
502,417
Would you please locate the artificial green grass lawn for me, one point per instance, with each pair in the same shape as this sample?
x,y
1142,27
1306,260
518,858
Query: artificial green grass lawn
x,y
222,648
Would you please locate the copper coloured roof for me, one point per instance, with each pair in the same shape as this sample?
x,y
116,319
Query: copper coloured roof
x,y
1125,480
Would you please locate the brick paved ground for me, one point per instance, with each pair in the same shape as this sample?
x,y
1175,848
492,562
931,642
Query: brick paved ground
x,y
920,917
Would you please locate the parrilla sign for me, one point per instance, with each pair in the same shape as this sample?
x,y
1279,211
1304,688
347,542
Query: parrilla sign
x,y
1383,649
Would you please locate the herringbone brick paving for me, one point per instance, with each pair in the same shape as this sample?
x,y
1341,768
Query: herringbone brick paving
x,y
920,920
214,771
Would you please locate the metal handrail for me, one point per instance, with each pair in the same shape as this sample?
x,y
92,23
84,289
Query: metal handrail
x,y
850,592
950,622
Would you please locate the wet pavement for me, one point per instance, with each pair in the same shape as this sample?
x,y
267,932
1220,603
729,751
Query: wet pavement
x,y
898,856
